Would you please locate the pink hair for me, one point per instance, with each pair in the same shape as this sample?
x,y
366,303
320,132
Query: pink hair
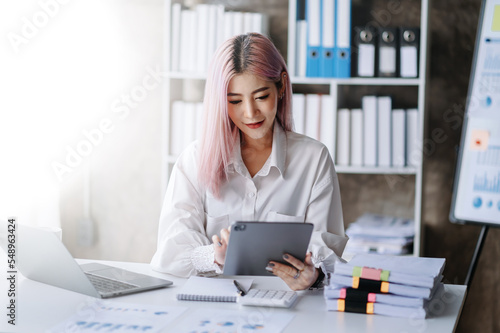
x,y
250,53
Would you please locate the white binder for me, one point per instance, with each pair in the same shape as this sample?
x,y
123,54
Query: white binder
x,y
176,37
398,137
370,117
299,112
356,137
343,137
384,107
413,154
312,115
328,124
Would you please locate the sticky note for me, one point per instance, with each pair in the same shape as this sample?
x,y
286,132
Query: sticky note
x,y
479,139
495,25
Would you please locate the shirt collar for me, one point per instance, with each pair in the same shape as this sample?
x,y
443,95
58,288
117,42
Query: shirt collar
x,y
276,159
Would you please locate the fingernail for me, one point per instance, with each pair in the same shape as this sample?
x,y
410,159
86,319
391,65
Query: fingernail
x,y
285,256
269,269
270,264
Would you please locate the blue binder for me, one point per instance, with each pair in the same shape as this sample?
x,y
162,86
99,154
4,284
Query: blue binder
x,y
313,17
328,38
343,39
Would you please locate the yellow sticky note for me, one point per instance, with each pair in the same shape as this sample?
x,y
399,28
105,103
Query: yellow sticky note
x,y
495,25
479,140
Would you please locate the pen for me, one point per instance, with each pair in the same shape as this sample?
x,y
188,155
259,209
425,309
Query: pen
x,y
241,291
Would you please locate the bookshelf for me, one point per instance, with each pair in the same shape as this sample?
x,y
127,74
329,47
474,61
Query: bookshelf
x,y
189,86
338,88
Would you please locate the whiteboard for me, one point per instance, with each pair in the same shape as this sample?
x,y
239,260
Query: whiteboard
x,y
476,194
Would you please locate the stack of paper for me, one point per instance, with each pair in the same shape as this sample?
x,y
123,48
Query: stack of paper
x,y
386,285
380,234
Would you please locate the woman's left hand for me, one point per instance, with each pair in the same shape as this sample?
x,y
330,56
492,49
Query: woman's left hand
x,y
299,276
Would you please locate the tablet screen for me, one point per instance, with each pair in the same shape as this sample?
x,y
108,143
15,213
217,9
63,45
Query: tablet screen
x,y
253,244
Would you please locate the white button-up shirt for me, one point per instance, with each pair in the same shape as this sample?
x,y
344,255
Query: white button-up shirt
x,y
297,183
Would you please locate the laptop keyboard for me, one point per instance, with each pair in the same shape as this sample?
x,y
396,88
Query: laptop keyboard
x,y
105,285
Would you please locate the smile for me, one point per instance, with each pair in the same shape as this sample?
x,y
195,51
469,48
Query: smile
x,y
255,125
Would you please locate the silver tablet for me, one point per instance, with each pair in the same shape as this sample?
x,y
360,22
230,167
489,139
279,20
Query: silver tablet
x,y
253,244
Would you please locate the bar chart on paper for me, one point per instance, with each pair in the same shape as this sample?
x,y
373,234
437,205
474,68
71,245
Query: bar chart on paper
x,y
485,183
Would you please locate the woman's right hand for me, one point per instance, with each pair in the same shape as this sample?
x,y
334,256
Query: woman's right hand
x,y
220,246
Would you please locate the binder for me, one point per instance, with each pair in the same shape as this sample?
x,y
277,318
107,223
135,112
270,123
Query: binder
x,y
228,26
327,67
221,25
409,41
199,120
343,39
259,23
343,137
212,33
264,18
413,154
188,126
313,17
301,40
176,125
364,42
384,107
313,111
370,117
299,112
238,24
356,137
327,132
188,40
175,48
398,137
202,34
248,25
388,51
301,49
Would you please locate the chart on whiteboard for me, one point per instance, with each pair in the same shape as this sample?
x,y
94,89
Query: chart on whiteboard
x,y
479,194
478,190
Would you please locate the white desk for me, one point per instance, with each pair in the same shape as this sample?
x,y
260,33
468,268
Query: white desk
x,y
42,306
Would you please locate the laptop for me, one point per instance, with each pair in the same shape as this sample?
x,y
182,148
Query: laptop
x,y
42,257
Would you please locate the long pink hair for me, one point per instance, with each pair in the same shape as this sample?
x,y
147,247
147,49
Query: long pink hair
x,y
249,53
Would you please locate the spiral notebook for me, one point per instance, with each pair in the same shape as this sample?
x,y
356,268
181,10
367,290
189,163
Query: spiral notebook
x,y
205,289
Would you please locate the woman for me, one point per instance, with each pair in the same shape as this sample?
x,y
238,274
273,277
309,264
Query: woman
x,y
249,166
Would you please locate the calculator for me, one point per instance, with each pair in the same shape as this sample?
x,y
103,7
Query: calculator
x,y
272,298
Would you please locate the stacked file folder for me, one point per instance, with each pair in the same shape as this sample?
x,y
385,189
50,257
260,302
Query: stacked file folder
x,y
323,38
380,234
386,285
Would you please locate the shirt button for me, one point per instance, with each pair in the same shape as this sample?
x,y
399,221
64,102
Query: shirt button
x,y
251,194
